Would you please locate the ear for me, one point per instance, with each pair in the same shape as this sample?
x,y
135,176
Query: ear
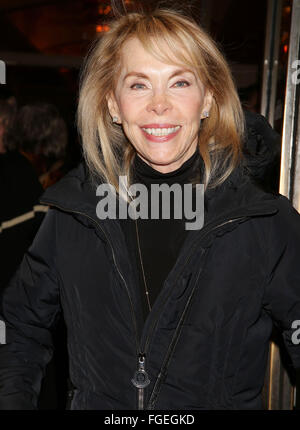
x,y
113,106
207,103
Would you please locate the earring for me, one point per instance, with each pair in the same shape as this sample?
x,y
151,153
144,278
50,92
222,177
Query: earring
x,y
205,114
115,119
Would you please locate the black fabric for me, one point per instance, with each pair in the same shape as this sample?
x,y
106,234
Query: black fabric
x,y
205,342
20,191
160,239
262,151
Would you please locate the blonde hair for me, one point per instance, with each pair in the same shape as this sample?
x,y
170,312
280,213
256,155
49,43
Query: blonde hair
x,y
107,151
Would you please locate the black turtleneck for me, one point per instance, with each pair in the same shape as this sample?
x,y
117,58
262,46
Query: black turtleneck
x,y
161,239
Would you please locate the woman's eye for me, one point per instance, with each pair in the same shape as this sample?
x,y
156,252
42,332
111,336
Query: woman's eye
x,y
137,86
181,84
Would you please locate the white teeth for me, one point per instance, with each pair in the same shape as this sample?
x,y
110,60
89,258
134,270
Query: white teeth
x,y
161,131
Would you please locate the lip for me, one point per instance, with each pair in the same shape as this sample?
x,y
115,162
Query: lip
x,y
158,139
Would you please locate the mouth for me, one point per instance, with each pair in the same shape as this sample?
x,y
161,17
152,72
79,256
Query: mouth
x,y
161,131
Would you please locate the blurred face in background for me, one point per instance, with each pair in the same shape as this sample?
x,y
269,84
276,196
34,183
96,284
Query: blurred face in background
x,y
159,106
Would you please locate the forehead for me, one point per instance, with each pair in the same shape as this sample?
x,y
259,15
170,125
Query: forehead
x,y
135,55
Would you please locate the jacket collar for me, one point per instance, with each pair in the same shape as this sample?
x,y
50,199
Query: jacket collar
x,y
76,192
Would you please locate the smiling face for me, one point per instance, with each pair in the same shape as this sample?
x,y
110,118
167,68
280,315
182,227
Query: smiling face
x,y
159,106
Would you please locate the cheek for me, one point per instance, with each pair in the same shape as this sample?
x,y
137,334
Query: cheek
x,y
191,107
195,109
129,108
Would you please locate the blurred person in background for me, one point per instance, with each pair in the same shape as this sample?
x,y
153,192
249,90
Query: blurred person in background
x,y
41,136
7,95
20,189
31,142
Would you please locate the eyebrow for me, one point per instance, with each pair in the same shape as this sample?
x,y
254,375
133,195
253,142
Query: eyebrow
x,y
142,75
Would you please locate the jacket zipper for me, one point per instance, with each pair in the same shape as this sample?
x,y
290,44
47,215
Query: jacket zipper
x,y
143,354
159,380
141,379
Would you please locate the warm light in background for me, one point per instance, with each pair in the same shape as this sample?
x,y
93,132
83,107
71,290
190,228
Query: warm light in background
x,y
285,48
104,10
101,28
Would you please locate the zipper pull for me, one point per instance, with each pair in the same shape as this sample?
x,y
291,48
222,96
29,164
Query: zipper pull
x,y
141,379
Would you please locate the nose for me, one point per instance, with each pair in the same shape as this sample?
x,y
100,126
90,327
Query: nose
x,y
159,104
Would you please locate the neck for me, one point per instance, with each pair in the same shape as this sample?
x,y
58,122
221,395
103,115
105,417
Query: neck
x,y
146,174
170,167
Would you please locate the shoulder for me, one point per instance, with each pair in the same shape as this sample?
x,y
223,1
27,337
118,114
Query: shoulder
x,y
286,211
69,188
284,233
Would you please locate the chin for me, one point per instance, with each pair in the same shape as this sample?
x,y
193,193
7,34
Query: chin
x,y
163,163
162,156
161,160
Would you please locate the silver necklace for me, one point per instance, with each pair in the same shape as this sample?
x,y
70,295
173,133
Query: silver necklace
x,y
142,266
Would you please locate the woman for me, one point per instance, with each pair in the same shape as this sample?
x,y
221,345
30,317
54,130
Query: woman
x,y
157,317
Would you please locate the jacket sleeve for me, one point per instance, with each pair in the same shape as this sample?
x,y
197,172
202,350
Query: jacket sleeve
x,y
30,309
282,290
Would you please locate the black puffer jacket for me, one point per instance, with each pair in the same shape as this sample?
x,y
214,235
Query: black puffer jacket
x,y
205,343
20,214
